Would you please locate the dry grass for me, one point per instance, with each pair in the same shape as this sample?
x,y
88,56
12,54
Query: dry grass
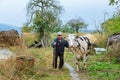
x,y
43,64
42,69
28,38
101,40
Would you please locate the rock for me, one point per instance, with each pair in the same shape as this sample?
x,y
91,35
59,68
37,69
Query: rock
x,y
5,54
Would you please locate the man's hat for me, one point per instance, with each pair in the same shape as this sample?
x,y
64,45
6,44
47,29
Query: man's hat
x,y
59,33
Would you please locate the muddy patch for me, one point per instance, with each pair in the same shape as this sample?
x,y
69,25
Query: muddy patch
x,y
73,73
83,75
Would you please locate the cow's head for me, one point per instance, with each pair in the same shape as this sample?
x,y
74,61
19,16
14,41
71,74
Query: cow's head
x,y
71,40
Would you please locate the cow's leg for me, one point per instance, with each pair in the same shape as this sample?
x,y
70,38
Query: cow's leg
x,y
85,57
77,65
77,58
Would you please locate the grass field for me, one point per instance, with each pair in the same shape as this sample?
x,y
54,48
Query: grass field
x,y
42,69
99,67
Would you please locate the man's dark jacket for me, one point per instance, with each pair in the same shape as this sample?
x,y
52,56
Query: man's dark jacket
x,y
60,45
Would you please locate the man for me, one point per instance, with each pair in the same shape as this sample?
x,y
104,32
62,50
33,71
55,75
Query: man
x,y
59,44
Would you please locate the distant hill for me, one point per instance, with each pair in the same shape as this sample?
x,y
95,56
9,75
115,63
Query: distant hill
x,y
87,31
6,27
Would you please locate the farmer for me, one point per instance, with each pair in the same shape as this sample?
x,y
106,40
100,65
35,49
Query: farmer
x,y
59,44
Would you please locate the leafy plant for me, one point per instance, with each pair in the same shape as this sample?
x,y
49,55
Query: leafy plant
x,y
112,25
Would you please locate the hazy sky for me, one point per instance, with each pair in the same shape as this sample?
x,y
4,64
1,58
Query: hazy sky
x,y
13,11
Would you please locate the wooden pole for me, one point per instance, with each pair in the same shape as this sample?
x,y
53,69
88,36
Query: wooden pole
x,y
54,52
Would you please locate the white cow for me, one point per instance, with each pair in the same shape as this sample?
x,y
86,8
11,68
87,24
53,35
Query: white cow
x,y
81,48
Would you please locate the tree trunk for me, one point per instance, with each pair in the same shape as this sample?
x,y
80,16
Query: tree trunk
x,y
46,40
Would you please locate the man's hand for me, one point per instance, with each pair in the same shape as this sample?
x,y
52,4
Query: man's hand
x,y
54,43
71,46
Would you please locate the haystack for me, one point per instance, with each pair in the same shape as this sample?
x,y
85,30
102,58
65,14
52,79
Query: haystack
x,y
9,38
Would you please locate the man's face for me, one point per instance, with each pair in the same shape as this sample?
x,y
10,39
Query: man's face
x,y
59,36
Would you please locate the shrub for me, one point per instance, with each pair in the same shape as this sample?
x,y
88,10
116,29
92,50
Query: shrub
x,y
114,55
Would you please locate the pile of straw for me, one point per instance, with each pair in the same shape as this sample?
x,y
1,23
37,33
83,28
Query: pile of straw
x,y
9,38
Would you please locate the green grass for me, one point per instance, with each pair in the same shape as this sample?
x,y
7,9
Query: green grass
x,y
101,69
104,71
98,67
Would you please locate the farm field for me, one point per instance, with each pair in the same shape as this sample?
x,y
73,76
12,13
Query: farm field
x,y
99,67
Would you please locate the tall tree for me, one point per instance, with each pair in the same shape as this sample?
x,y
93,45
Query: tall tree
x,y
77,24
114,2
44,15
112,25
67,29
117,4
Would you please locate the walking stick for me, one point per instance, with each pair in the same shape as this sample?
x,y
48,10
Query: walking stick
x,y
54,52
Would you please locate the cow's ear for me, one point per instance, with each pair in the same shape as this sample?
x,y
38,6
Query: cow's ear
x,y
77,37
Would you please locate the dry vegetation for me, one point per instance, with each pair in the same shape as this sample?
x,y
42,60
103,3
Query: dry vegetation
x,y
99,66
9,38
101,40
42,69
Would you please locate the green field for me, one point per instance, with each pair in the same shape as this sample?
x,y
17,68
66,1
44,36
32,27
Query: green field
x,y
99,67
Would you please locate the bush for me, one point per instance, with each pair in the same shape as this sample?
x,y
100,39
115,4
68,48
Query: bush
x,y
112,25
114,55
